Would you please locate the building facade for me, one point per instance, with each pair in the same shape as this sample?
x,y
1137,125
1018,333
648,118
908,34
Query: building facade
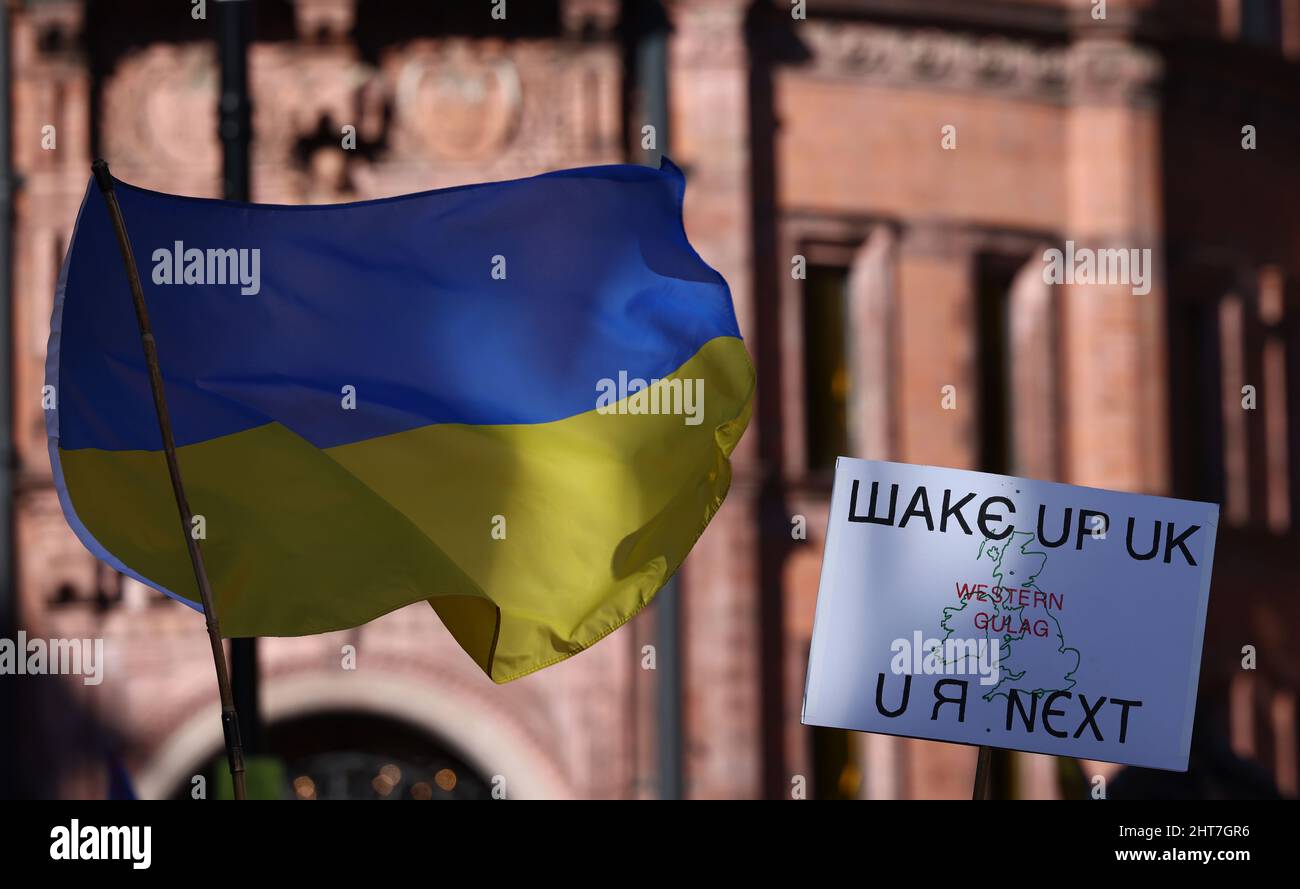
x,y
877,181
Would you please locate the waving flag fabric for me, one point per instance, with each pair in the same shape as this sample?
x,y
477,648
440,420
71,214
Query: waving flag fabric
x,y
514,400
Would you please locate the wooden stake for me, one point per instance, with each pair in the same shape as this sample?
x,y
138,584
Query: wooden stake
x,y
229,719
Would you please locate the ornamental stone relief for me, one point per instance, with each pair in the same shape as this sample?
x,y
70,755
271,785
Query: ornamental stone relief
x,y
1089,70
295,90
507,107
454,103
158,116
465,107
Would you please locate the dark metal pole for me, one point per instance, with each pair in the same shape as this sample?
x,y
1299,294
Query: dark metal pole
x,y
652,76
235,125
651,60
229,719
8,587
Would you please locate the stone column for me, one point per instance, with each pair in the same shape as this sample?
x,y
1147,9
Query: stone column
x,y
709,108
51,156
937,342
936,348
1035,411
872,309
1114,340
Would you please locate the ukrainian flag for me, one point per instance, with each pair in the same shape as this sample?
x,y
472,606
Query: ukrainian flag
x,y
513,400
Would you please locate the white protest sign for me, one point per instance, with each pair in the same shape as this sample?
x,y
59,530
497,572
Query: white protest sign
x,y
984,609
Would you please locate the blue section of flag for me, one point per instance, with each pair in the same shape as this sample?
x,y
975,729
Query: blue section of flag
x,y
394,297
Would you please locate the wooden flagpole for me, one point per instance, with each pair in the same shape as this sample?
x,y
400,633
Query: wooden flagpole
x,y
229,719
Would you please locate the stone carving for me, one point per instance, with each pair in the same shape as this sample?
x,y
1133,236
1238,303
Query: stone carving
x,y
294,92
324,21
460,103
506,109
1088,70
159,113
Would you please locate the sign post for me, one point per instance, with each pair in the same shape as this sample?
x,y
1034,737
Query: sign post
x,y
1004,612
982,765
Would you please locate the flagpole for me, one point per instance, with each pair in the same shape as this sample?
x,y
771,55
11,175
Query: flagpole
x,y
229,719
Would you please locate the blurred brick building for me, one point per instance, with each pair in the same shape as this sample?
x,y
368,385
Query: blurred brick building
x,y
812,130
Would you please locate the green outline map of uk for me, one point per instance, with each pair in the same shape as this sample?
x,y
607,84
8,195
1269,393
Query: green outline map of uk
x,y
1015,614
